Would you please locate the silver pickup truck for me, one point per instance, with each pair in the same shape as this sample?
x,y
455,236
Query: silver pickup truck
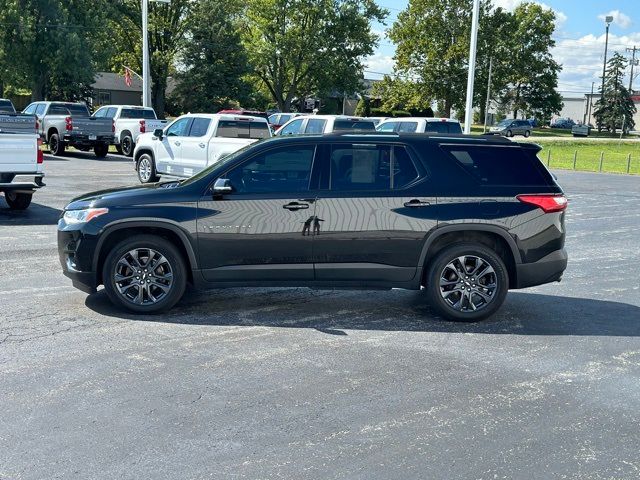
x,y
63,124
21,159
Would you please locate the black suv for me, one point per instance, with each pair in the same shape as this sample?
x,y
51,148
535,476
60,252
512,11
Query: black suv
x,y
464,217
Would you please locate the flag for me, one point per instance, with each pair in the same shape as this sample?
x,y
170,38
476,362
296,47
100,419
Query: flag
x,y
127,77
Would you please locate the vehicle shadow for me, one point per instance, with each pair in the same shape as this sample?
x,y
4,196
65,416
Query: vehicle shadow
x,y
336,312
36,214
71,154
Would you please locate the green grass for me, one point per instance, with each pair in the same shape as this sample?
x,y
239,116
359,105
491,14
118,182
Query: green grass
x,y
615,155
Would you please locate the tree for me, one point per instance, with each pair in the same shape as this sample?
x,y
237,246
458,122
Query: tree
x,y
533,73
302,47
214,61
48,46
363,109
615,102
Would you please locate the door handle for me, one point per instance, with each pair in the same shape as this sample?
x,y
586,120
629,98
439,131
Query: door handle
x,y
296,206
177,144
201,145
415,203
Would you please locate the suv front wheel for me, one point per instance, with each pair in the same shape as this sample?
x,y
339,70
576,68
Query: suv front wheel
x,y
144,274
467,282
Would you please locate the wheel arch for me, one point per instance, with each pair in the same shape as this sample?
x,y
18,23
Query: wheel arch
x,y
141,152
491,236
125,133
51,131
117,232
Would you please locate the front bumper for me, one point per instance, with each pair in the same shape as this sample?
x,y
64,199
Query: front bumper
x,y
546,270
23,182
75,253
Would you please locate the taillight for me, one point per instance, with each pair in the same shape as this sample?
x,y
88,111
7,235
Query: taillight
x,y
68,124
40,152
548,203
143,126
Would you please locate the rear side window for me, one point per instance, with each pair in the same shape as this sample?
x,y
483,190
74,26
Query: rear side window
x,y
40,109
315,125
242,129
408,127
199,127
143,113
78,110
342,125
58,110
371,167
500,166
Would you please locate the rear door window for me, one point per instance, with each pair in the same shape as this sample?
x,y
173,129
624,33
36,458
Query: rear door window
x,y
199,127
315,125
408,127
242,129
500,166
292,128
387,127
41,108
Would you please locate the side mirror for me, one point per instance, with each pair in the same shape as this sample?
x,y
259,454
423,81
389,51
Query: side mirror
x,y
222,186
158,132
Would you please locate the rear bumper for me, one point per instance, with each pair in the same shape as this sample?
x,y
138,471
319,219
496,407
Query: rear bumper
x,y
83,140
546,270
27,182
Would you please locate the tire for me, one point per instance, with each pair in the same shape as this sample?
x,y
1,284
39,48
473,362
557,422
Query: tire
x,y
145,250
454,305
509,133
101,150
146,168
18,201
56,146
118,149
126,145
527,133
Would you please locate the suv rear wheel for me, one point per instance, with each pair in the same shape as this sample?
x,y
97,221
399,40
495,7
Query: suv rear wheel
x,y
144,274
467,282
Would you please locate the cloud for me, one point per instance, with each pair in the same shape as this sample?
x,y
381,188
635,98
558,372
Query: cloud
x,y
510,5
378,64
619,18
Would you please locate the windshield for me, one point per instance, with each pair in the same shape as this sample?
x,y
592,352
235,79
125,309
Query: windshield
x,y
504,123
77,109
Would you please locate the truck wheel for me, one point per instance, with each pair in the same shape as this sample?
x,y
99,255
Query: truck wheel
x,y
146,169
144,274
127,145
101,150
119,149
467,282
18,201
56,146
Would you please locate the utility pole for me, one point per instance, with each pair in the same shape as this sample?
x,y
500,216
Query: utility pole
x,y
146,74
590,103
472,66
633,62
608,21
486,108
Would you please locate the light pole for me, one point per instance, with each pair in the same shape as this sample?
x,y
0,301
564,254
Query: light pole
x,y
146,75
608,21
468,114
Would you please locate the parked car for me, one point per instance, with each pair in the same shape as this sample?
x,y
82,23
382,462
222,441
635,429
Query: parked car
x,y
130,121
278,119
562,123
420,125
194,141
21,159
510,127
64,124
6,106
467,218
581,130
242,111
318,124
377,120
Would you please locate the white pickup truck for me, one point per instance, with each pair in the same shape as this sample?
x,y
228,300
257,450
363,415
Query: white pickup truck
x,y
194,141
130,121
20,159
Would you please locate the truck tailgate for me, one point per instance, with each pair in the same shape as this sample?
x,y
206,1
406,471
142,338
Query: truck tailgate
x,y
17,123
152,125
100,127
19,153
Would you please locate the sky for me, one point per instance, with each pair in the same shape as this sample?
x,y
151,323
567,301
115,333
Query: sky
x,y
579,36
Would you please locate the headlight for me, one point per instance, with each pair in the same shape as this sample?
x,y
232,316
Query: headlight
x,y
83,216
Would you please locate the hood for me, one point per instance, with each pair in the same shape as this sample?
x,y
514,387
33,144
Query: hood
x,y
123,196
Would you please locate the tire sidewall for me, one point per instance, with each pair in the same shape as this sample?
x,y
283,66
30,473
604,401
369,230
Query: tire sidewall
x,y
447,255
54,140
152,175
127,140
168,250
18,201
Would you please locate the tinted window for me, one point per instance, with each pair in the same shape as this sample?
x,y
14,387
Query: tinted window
x,y
284,119
443,127
77,110
179,128
360,167
199,127
387,126
292,128
403,170
279,170
6,106
111,112
315,125
143,113
500,165
342,125
242,129
408,127
40,109
58,110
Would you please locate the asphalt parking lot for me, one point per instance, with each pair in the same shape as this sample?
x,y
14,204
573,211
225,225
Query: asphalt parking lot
x,y
301,384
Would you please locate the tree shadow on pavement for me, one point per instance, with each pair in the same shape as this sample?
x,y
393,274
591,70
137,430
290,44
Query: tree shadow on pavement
x,y
36,214
336,312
